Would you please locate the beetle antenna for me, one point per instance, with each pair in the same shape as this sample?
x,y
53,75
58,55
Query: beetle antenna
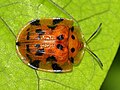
x,y
95,57
95,33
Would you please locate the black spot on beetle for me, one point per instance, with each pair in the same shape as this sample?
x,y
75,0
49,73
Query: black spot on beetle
x,y
73,37
40,31
28,29
28,56
51,58
35,63
72,28
55,66
27,48
71,60
72,50
52,26
40,52
18,43
57,20
37,45
28,35
59,46
39,37
35,22
60,37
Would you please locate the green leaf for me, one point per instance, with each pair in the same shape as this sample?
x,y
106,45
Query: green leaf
x,y
14,14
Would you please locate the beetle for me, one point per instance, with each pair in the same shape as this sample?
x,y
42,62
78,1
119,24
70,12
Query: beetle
x,y
53,44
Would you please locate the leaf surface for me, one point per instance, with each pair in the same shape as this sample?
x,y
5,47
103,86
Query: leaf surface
x,y
14,75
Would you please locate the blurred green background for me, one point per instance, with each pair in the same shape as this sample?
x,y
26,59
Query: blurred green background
x,y
112,81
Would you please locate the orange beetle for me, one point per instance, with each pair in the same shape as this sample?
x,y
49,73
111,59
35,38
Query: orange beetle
x,y
52,45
